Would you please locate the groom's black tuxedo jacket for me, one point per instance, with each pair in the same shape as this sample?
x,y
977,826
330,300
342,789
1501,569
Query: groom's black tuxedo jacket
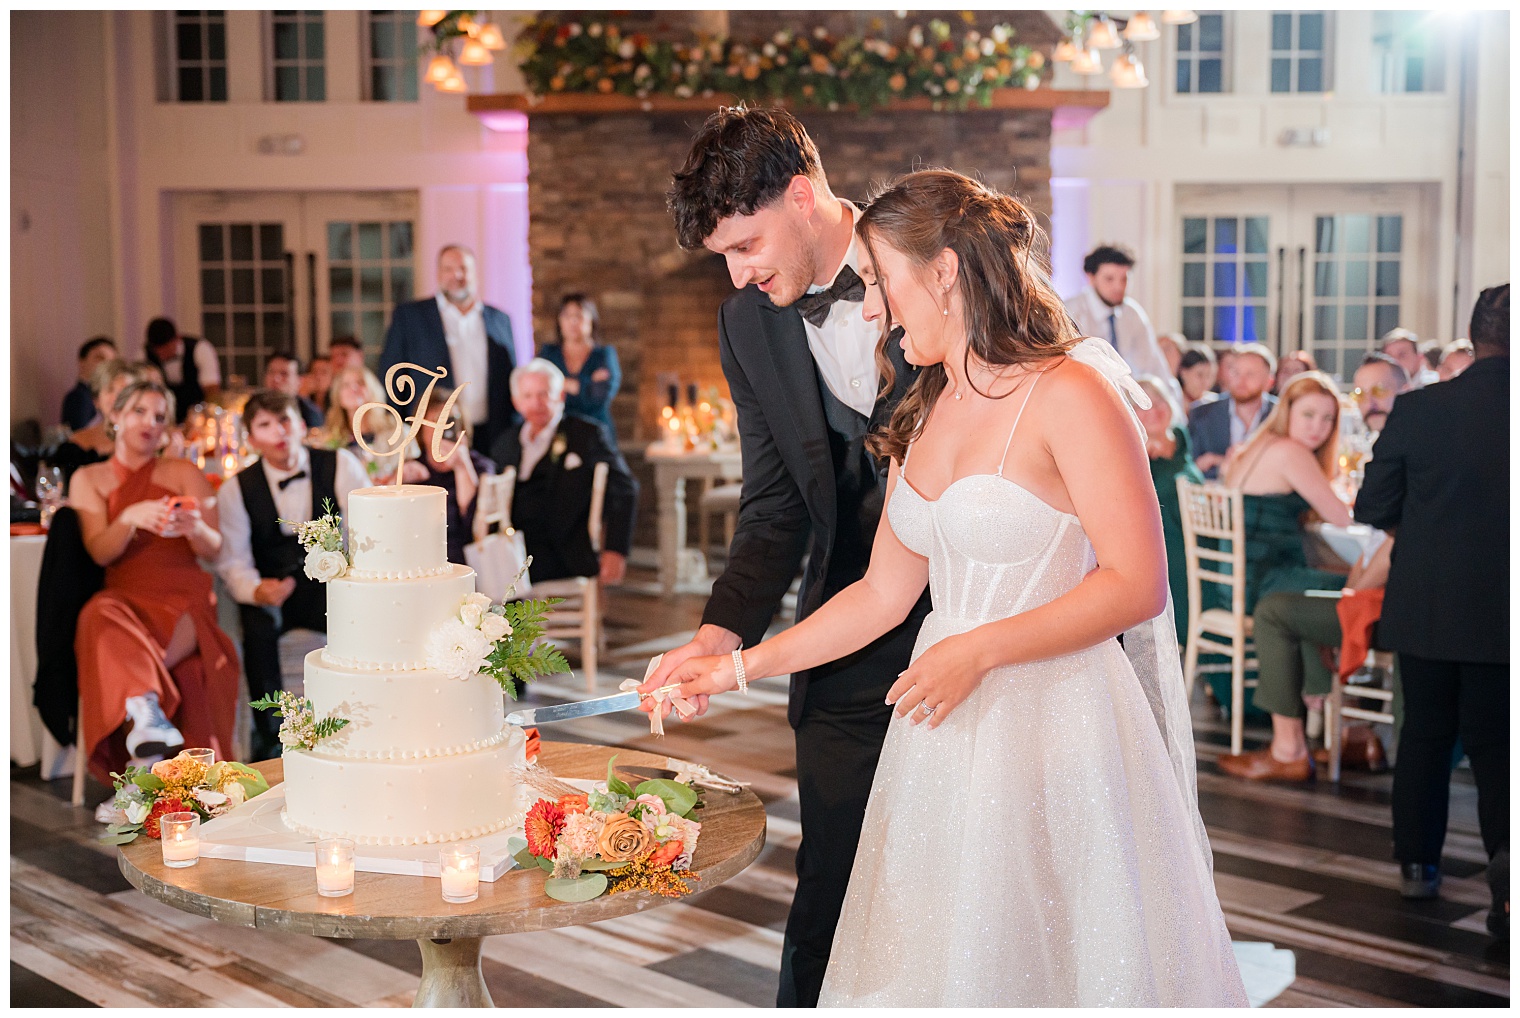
x,y
790,502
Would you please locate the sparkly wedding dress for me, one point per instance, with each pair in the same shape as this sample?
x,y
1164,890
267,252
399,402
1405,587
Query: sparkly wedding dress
x,y
1042,845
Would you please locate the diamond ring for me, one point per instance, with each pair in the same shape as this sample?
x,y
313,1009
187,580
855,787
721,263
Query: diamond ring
x,y
927,709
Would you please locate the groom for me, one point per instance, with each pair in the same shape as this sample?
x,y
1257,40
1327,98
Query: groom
x,y
800,362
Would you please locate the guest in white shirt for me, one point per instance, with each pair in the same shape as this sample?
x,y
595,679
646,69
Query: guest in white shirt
x,y
1404,346
261,561
1101,309
189,365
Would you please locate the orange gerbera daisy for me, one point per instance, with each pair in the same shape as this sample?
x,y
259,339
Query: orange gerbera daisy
x,y
545,821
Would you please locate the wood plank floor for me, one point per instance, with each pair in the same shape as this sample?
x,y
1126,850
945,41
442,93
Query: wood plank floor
x,y
1308,869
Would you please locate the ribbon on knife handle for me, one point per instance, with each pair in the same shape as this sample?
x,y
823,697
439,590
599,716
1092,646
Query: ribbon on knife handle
x,y
680,704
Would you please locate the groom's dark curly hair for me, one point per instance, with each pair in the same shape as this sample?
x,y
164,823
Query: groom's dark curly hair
x,y
740,161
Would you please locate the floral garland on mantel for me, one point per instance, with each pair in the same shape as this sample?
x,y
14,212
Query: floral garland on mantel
x,y
805,69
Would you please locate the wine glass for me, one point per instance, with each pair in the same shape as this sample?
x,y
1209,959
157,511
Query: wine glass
x,y
50,494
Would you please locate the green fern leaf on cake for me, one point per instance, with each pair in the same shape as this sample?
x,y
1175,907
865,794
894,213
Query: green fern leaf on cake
x,y
503,641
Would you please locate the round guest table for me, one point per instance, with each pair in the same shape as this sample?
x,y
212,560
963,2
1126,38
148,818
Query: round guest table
x,y
391,907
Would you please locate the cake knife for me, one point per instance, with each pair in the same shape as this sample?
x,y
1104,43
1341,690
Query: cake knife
x,y
580,708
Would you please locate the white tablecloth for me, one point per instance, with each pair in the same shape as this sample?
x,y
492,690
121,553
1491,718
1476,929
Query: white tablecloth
x,y
30,741
1347,542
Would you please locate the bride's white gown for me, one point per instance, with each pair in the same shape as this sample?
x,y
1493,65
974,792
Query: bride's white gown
x,y
1036,848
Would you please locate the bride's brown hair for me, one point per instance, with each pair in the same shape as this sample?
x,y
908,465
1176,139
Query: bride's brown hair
x,y
1013,315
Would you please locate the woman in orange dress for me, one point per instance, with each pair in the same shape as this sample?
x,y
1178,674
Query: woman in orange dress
x,y
155,670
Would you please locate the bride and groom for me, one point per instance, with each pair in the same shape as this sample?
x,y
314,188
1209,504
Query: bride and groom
x,y
997,799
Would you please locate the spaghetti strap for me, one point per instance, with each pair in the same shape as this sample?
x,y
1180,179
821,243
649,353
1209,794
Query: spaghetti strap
x,y
1018,417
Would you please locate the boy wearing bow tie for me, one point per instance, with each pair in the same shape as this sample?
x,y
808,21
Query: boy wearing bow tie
x,y
261,560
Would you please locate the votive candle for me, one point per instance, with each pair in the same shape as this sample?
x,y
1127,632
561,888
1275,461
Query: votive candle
x,y
335,867
181,837
460,869
202,755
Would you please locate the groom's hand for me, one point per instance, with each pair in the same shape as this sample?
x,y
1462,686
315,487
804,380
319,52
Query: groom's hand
x,y
709,641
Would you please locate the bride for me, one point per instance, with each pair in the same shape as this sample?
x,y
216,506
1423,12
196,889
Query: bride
x,y
1032,836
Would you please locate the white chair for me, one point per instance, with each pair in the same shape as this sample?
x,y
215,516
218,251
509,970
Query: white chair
x,y
1213,512
579,616
81,762
1336,709
722,500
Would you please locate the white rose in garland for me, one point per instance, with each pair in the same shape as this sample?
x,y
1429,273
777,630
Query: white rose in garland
x,y
323,540
324,565
458,650
493,627
469,614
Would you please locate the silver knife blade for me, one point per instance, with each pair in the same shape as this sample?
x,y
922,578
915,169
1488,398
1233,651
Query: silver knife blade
x,y
578,709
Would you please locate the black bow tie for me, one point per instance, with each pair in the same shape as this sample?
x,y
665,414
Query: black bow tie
x,y
288,481
846,286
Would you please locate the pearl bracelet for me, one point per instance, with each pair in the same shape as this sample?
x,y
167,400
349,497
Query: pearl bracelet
x,y
739,671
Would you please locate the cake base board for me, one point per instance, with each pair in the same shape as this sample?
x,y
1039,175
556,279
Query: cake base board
x,y
256,832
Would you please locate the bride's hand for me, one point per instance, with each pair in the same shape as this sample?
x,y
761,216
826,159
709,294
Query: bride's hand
x,y
942,678
699,677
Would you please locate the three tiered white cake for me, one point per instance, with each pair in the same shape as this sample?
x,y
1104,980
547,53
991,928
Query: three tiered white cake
x,y
425,757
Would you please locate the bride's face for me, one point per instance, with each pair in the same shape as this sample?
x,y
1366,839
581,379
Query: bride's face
x,y
918,296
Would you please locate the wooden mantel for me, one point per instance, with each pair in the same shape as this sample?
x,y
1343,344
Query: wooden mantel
x,y
1077,105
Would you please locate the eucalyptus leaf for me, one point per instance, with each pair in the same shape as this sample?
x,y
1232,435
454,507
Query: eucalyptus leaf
x,y
596,865
678,798
547,865
615,783
527,860
515,845
118,839
123,828
148,782
582,888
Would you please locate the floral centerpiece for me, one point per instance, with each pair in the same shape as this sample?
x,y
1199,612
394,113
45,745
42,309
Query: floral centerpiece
x,y
144,795
614,839
323,540
817,68
503,641
300,728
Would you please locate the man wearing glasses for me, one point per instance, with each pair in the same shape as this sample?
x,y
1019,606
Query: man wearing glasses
x,y
1378,380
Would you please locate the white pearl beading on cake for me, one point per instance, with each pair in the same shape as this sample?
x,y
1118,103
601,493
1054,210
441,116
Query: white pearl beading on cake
x,y
371,666
398,574
427,838
417,754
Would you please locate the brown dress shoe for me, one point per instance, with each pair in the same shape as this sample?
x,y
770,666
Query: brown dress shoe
x,y
1263,766
1361,749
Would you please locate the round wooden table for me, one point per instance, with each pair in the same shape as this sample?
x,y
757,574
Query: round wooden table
x,y
387,906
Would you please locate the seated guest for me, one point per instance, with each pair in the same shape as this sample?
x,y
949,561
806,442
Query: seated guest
x,y
1171,344
1196,373
345,352
1404,347
95,442
352,387
555,454
458,473
79,409
261,561
1456,357
592,373
1166,443
1295,363
1377,382
1226,355
282,373
317,381
155,669
1440,476
1219,426
189,365
1430,349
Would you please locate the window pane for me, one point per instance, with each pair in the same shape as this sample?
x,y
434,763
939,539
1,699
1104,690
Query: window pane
x,y
1195,236
242,242
1310,75
1324,234
214,328
1253,323
191,88
287,84
1282,74
383,84
1211,32
339,242
316,85
1390,237
401,240
372,330
1356,279
372,284
272,286
1224,324
1256,235
1224,236
1414,74
1184,76
187,39
370,248
274,330
218,89
246,365
409,81
340,284
271,242
286,41
1256,279
1324,279
1282,31
314,50
1211,75
1194,277
1224,279
244,329
1184,38
1311,31
1387,318
213,286
1192,324
216,41
1387,279
1358,234
382,36
1356,321
1324,323
342,323
242,286
211,242
401,285
1326,361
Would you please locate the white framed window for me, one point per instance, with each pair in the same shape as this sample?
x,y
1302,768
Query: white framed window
x,y
197,57
297,67
1358,262
390,56
1224,278
1202,63
245,295
1411,51
369,272
1300,51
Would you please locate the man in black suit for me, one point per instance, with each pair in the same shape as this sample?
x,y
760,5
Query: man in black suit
x,y
1221,424
469,338
555,454
282,373
799,359
1440,477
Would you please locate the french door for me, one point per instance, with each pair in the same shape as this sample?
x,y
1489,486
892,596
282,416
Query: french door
x,y
258,272
1322,268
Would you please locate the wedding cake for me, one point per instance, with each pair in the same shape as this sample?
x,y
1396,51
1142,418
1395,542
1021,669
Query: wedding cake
x,y
425,757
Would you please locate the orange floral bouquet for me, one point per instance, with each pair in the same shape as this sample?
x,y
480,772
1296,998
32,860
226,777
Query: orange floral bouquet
x,y
180,784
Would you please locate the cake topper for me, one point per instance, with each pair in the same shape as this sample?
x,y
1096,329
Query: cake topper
x,y
400,391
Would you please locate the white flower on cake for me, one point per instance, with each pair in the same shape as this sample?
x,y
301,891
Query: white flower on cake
x,y
457,649
470,614
325,565
493,627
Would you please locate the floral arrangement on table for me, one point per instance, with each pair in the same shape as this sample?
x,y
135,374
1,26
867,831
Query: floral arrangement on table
x,y
144,795
503,641
299,726
323,540
816,68
614,839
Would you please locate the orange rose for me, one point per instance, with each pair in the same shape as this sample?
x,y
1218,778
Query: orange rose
x,y
623,839
897,82
667,853
574,803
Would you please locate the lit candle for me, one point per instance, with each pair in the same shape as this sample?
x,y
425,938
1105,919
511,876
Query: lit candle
x,y
335,867
460,869
181,839
229,465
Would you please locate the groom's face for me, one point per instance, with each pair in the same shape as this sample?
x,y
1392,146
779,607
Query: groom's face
x,y
772,248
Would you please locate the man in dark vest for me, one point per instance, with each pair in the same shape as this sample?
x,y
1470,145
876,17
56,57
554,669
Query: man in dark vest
x,y
189,365
261,560
799,358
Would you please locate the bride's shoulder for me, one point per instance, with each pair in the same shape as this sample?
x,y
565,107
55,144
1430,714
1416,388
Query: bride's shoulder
x,y
1070,382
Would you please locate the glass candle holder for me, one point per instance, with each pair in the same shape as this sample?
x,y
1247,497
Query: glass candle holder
x,y
201,754
335,867
460,869
181,839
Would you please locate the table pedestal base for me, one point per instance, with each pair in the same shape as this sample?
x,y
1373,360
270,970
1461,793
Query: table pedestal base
x,y
451,974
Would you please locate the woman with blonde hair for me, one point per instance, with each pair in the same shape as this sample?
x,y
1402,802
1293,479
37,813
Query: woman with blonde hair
x,y
352,387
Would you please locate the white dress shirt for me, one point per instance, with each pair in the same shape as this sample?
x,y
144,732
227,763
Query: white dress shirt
x,y
535,449
844,347
465,332
1239,430
1132,333
235,564
206,365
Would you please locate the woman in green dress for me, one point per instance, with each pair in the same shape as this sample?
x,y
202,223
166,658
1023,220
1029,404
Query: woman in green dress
x,y
1167,445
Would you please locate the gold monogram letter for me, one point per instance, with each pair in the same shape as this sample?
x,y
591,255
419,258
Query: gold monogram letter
x,y
401,390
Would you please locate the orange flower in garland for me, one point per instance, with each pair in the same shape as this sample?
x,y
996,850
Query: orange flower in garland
x,y
574,803
151,826
545,821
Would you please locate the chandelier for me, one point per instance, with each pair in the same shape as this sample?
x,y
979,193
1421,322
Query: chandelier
x,y
477,43
1089,33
